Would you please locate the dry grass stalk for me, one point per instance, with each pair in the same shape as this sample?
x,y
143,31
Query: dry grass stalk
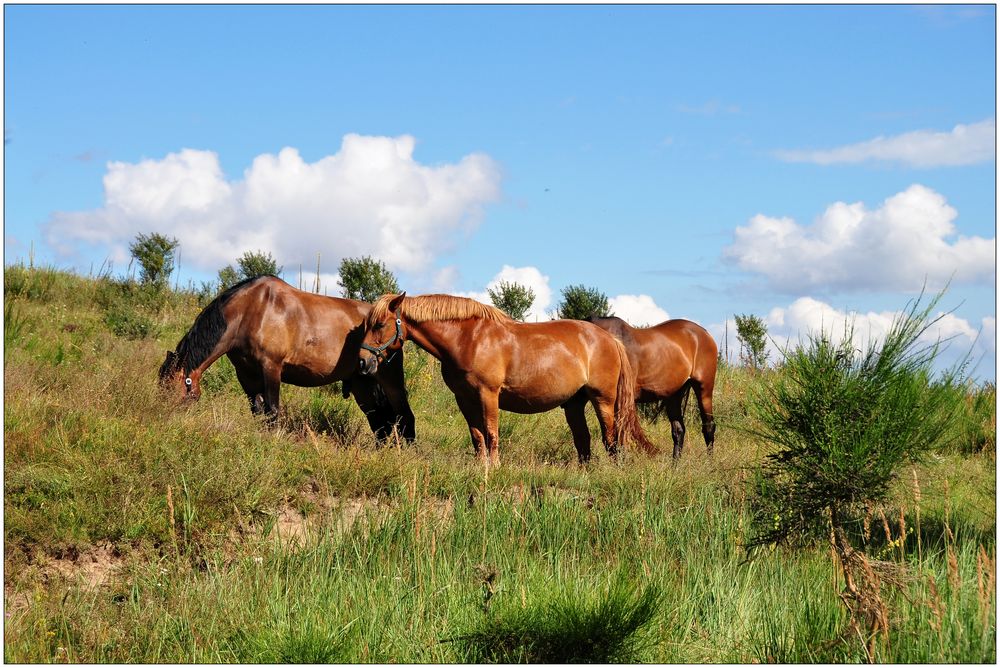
x,y
902,534
986,574
170,515
867,524
935,604
862,594
953,577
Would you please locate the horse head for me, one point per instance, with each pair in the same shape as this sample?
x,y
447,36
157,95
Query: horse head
x,y
383,334
173,378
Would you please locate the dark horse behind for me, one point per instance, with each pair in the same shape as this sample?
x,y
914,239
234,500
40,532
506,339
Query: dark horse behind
x,y
273,333
669,359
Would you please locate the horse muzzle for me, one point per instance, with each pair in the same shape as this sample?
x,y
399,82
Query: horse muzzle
x,y
367,366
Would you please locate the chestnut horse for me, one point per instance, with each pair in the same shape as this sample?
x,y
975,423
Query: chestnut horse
x,y
491,362
273,333
669,359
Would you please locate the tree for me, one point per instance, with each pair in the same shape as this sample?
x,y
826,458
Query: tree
x,y
257,263
512,298
251,265
580,302
366,279
841,425
228,277
752,334
155,255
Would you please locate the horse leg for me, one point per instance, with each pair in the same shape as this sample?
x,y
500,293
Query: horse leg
x,y
272,392
606,418
393,384
704,396
363,389
577,421
491,420
477,430
675,413
252,382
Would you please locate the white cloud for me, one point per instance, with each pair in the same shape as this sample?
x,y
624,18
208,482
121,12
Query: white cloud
x,y
370,198
894,247
964,145
790,325
637,310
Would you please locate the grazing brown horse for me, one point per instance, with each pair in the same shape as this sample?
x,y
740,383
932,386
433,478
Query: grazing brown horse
x,y
669,359
273,333
491,362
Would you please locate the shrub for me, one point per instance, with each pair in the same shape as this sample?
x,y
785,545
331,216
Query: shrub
x,y
155,255
752,335
228,277
250,265
366,279
580,302
513,299
130,323
842,424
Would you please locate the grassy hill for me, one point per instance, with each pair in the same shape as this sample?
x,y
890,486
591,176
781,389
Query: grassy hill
x,y
140,530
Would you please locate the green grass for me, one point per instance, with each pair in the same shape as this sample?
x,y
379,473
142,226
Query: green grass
x,y
311,544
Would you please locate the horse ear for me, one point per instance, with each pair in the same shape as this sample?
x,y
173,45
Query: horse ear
x,y
395,302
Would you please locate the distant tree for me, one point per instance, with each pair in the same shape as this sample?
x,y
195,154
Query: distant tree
x,y
228,277
752,334
366,279
580,302
155,255
257,263
512,298
250,265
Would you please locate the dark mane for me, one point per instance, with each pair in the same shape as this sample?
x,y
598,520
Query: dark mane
x,y
195,346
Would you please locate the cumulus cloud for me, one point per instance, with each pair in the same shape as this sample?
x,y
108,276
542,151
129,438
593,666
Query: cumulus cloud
x,y
849,247
370,198
637,310
790,325
963,145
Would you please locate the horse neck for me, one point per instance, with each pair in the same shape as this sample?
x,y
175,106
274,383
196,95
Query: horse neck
x,y
438,337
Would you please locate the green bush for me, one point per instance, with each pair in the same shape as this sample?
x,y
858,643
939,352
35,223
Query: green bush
x,y
366,279
130,323
513,299
841,424
580,302
155,255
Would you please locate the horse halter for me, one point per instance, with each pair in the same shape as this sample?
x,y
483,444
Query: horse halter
x,y
379,351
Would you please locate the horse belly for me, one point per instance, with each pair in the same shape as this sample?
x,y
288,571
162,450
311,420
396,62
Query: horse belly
x,y
307,376
519,403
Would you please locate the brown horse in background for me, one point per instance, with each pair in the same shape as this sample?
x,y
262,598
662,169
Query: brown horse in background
x,y
492,362
669,359
273,333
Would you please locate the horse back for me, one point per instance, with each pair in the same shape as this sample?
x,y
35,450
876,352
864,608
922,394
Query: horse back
x,y
314,338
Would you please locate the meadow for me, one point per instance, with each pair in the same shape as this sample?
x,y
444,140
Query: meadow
x,y
137,529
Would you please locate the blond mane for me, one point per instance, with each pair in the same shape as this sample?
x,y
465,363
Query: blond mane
x,y
424,308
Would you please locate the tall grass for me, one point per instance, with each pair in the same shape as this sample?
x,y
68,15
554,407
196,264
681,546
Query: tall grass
x,y
140,530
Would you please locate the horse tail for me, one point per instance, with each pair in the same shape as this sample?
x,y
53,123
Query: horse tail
x,y
626,419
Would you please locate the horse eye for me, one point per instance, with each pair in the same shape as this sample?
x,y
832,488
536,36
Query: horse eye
x,y
377,326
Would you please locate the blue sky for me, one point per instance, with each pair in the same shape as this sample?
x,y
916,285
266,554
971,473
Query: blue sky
x,y
801,163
